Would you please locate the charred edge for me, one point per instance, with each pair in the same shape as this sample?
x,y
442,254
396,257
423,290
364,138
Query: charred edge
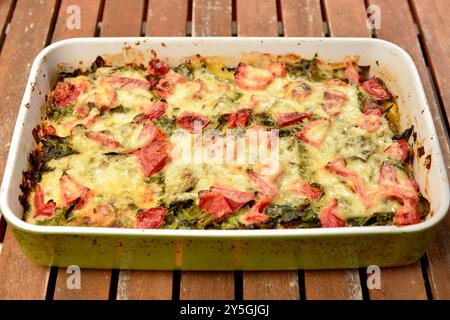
x,y
301,285
176,280
424,267
363,283
113,284
238,286
6,23
51,283
52,26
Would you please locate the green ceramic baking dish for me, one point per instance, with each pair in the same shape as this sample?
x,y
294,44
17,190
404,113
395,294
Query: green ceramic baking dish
x,y
221,249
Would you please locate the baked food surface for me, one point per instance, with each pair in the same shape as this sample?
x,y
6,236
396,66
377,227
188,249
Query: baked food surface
x,y
273,142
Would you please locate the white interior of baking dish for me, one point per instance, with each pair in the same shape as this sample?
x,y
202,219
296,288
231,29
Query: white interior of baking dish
x,y
386,60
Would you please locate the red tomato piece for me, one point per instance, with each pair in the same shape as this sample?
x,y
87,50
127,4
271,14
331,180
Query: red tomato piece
x,y
255,215
64,94
264,187
191,121
153,156
375,89
40,207
334,102
305,189
157,67
121,82
278,69
152,112
81,111
314,140
103,138
48,131
329,216
72,191
150,133
239,118
166,86
288,118
298,90
371,120
150,218
214,203
399,150
351,74
235,198
250,78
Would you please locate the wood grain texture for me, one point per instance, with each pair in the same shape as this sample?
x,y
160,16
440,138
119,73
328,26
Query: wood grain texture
x,y
256,18
398,27
167,18
122,18
333,285
94,285
89,12
347,18
435,28
400,283
29,28
211,18
301,18
145,285
271,285
19,277
200,285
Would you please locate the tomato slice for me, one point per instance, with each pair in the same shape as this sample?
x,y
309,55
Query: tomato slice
x,y
157,67
250,78
166,86
255,215
191,121
351,74
264,187
371,120
103,138
375,89
150,133
214,203
329,216
81,111
333,102
305,189
153,111
399,150
314,133
132,83
72,191
40,207
235,198
288,118
153,156
150,218
239,118
278,69
64,94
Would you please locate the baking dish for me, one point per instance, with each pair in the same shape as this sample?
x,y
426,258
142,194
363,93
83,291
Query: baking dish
x,y
223,249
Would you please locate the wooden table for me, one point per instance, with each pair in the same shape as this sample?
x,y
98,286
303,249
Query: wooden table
x,y
421,27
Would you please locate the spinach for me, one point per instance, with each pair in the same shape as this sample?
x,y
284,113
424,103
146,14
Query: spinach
x,y
56,148
187,215
55,113
186,70
158,179
376,219
302,216
119,109
167,124
263,119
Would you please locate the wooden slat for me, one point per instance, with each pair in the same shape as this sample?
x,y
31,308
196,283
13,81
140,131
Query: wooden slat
x,y
256,18
347,18
146,285
211,18
301,18
398,27
29,28
333,285
167,18
271,285
94,285
435,28
122,18
259,18
199,285
89,12
400,284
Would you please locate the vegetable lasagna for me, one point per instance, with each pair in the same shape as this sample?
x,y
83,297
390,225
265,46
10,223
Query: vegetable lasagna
x,y
168,147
